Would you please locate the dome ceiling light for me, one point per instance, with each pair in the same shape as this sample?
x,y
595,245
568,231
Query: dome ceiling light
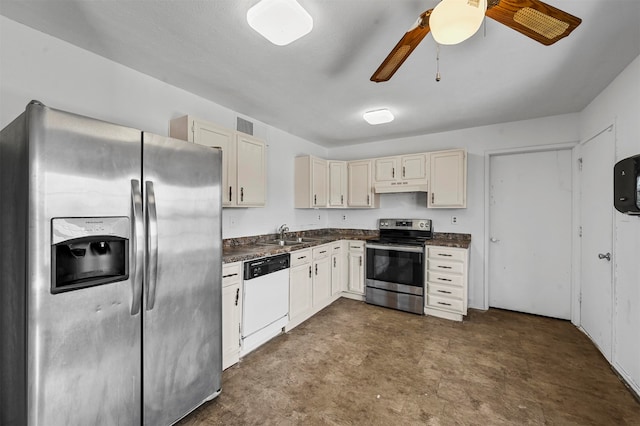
x,y
280,21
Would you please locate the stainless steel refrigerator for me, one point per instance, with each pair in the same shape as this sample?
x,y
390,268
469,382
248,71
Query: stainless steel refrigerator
x,y
110,300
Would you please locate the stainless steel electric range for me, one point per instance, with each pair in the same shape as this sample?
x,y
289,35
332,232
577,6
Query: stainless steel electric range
x,y
395,264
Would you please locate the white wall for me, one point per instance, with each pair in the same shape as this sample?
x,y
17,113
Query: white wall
x,y
478,141
619,104
66,77
34,65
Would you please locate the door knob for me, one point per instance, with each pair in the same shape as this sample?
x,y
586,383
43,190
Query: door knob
x,y
494,240
604,256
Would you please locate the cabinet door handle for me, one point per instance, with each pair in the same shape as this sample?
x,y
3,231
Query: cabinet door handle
x,y
444,279
315,199
309,271
230,275
445,304
230,190
444,267
444,291
360,257
334,262
241,193
393,172
444,254
237,295
367,200
316,269
342,199
323,251
432,198
403,174
301,257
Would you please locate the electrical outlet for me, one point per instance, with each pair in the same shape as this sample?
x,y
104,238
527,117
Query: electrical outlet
x,y
454,220
319,218
344,217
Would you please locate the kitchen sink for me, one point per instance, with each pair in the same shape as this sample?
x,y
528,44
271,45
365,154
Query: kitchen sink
x,y
291,242
301,240
281,243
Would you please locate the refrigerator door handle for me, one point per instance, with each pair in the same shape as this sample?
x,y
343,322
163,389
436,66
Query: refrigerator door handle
x,y
152,246
137,241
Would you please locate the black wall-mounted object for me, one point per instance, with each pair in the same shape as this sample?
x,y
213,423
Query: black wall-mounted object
x,y
626,185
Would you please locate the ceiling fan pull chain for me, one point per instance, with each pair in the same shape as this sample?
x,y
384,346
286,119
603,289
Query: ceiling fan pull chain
x,y
437,62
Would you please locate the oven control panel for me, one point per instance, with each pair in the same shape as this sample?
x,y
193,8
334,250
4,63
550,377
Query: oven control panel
x,y
406,224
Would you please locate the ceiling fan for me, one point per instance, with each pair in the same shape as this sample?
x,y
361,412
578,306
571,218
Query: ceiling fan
x,y
533,18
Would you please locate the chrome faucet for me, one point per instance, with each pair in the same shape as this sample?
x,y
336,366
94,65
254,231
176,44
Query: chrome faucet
x,y
283,228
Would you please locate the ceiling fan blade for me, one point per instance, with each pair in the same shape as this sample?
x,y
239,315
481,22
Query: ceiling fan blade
x,y
533,18
403,49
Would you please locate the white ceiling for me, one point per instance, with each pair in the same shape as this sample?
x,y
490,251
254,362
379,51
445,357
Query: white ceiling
x,y
318,86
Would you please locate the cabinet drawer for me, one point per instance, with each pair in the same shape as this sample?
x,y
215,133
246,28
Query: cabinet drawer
x,y
231,273
321,252
444,290
445,266
446,254
449,304
356,246
444,278
299,257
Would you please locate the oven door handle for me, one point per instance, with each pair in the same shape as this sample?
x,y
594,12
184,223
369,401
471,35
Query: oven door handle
x,y
396,248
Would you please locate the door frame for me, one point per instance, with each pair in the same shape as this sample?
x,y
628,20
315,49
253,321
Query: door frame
x,y
575,242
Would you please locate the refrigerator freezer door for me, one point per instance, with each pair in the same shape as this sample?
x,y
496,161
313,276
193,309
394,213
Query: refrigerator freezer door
x,y
84,353
182,332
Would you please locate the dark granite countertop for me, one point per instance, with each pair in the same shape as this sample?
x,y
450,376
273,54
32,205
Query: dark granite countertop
x,y
445,239
247,248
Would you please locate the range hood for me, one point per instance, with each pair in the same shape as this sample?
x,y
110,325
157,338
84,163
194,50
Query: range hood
x,y
394,187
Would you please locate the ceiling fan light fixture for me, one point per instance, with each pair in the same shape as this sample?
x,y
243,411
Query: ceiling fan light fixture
x,y
378,116
280,21
454,21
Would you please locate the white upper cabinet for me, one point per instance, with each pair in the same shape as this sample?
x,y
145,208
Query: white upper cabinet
x,y
448,170
385,169
246,169
414,168
337,183
402,173
360,185
251,166
311,182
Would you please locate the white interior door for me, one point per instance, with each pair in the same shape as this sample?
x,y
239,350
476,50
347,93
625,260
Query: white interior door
x,y
530,232
596,217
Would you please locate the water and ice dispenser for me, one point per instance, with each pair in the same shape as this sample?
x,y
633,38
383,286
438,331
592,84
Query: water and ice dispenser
x,y
87,252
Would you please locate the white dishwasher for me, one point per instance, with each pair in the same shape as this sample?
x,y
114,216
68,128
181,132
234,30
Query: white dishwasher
x,y
265,309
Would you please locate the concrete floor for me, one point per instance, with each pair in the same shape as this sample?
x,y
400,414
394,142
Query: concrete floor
x,y
355,364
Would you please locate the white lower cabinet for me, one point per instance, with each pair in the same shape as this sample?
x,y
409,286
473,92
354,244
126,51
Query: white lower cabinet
x,y
317,277
447,282
356,267
321,276
337,268
231,313
300,287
